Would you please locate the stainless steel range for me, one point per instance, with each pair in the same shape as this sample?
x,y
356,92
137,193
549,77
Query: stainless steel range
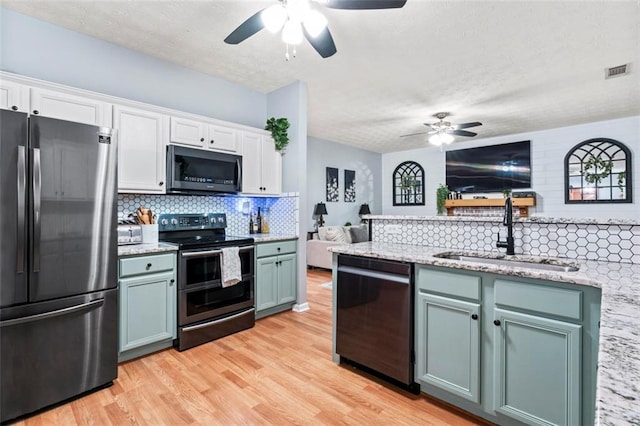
x,y
206,309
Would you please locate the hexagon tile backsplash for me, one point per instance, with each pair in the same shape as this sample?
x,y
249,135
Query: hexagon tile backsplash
x,y
589,241
282,211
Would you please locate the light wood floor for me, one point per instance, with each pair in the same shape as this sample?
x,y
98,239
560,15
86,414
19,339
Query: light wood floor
x,y
279,372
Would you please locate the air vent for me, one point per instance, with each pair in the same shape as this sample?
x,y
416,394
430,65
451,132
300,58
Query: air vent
x,y
618,71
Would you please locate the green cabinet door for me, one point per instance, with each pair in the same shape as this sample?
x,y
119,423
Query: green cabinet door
x,y
147,310
537,368
266,283
287,272
448,345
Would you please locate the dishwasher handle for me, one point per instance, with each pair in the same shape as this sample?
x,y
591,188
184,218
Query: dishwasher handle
x,y
369,273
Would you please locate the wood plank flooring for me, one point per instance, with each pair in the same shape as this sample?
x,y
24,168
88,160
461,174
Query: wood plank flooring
x,y
279,372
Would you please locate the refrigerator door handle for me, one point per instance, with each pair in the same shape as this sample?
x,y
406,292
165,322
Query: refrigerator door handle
x,y
65,311
22,193
37,187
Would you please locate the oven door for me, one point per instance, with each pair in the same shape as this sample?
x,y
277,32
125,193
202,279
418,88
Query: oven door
x,y
202,267
204,303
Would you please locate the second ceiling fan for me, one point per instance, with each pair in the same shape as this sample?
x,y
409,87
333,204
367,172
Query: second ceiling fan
x,y
442,131
297,19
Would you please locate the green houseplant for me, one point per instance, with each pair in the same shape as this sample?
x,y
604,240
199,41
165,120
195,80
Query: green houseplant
x,y
595,169
278,128
441,196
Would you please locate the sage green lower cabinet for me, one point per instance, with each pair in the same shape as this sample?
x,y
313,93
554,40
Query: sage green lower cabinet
x,y
512,350
276,277
147,304
537,368
449,345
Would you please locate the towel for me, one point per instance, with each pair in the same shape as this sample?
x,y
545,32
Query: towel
x,y
230,265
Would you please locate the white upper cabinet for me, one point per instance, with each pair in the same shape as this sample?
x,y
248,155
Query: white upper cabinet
x,y
261,165
188,132
222,138
14,96
142,138
202,134
64,106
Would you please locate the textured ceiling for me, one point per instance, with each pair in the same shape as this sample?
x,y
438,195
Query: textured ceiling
x,y
515,66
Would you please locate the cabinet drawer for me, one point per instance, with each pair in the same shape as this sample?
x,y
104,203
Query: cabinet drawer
x,y
146,264
538,298
453,284
275,248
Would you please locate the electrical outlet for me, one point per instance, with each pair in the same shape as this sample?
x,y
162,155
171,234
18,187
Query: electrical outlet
x,y
392,229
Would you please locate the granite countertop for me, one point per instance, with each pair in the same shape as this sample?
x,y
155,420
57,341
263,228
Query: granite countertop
x,y
498,218
261,238
133,249
618,388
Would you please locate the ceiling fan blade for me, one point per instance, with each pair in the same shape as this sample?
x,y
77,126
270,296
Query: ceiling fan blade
x,y
467,125
463,133
413,134
323,43
246,29
365,4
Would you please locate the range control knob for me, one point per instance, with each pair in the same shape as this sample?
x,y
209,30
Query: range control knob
x,y
221,219
174,221
212,220
164,222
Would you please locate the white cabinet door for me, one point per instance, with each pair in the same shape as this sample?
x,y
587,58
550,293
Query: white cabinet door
x,y
142,140
14,96
251,163
222,138
188,132
63,106
271,167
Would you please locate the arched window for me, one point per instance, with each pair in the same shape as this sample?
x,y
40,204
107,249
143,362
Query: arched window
x,y
598,171
408,184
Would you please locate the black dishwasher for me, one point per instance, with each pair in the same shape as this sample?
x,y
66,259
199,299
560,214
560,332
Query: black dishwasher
x,y
374,325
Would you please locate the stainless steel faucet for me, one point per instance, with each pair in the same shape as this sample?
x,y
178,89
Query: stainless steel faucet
x,y
508,222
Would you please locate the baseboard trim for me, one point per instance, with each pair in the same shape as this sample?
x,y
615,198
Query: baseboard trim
x,y
300,307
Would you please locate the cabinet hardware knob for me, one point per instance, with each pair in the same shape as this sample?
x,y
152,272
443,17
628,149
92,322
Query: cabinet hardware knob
x,y
278,248
201,139
474,316
15,108
160,183
212,141
171,282
496,322
35,111
149,265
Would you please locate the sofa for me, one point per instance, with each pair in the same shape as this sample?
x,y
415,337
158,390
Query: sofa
x,y
318,254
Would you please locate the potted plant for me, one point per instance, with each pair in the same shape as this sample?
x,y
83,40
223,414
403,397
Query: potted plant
x,y
441,196
278,128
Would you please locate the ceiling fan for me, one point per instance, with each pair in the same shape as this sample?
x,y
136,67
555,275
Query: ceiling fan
x,y
296,19
441,131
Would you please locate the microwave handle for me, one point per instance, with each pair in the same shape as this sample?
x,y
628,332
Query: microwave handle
x,y
239,169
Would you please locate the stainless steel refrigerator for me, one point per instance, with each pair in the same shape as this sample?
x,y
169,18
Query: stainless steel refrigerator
x,y
58,254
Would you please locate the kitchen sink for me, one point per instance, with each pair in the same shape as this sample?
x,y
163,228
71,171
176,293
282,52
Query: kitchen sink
x,y
541,264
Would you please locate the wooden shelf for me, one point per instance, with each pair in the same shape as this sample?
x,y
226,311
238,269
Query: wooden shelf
x,y
522,203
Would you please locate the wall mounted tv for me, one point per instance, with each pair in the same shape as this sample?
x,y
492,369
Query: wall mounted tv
x,y
489,168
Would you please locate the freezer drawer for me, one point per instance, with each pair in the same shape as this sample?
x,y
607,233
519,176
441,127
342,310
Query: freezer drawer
x,y
55,350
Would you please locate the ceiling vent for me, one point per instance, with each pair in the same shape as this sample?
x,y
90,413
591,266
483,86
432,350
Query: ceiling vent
x,y
618,71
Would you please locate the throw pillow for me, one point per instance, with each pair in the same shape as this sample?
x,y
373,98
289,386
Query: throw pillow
x,y
359,234
347,234
335,233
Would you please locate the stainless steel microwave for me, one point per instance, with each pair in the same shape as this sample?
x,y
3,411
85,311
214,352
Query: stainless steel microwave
x,y
197,171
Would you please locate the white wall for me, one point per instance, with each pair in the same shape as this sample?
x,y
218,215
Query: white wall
x,y
366,164
40,50
548,149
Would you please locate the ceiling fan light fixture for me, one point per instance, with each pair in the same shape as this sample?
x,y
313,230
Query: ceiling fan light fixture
x,y
292,32
314,23
441,138
274,17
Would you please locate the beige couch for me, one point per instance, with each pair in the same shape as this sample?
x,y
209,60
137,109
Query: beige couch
x,y
318,254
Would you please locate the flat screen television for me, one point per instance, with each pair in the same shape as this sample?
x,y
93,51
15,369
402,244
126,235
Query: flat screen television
x,y
489,168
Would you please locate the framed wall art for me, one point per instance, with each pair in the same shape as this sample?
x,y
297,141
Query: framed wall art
x,y
333,192
349,186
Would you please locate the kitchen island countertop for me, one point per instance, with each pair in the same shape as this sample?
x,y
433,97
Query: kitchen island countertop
x,y
618,378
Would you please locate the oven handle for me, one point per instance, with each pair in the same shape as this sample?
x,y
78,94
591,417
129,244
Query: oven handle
x,y
207,324
209,252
